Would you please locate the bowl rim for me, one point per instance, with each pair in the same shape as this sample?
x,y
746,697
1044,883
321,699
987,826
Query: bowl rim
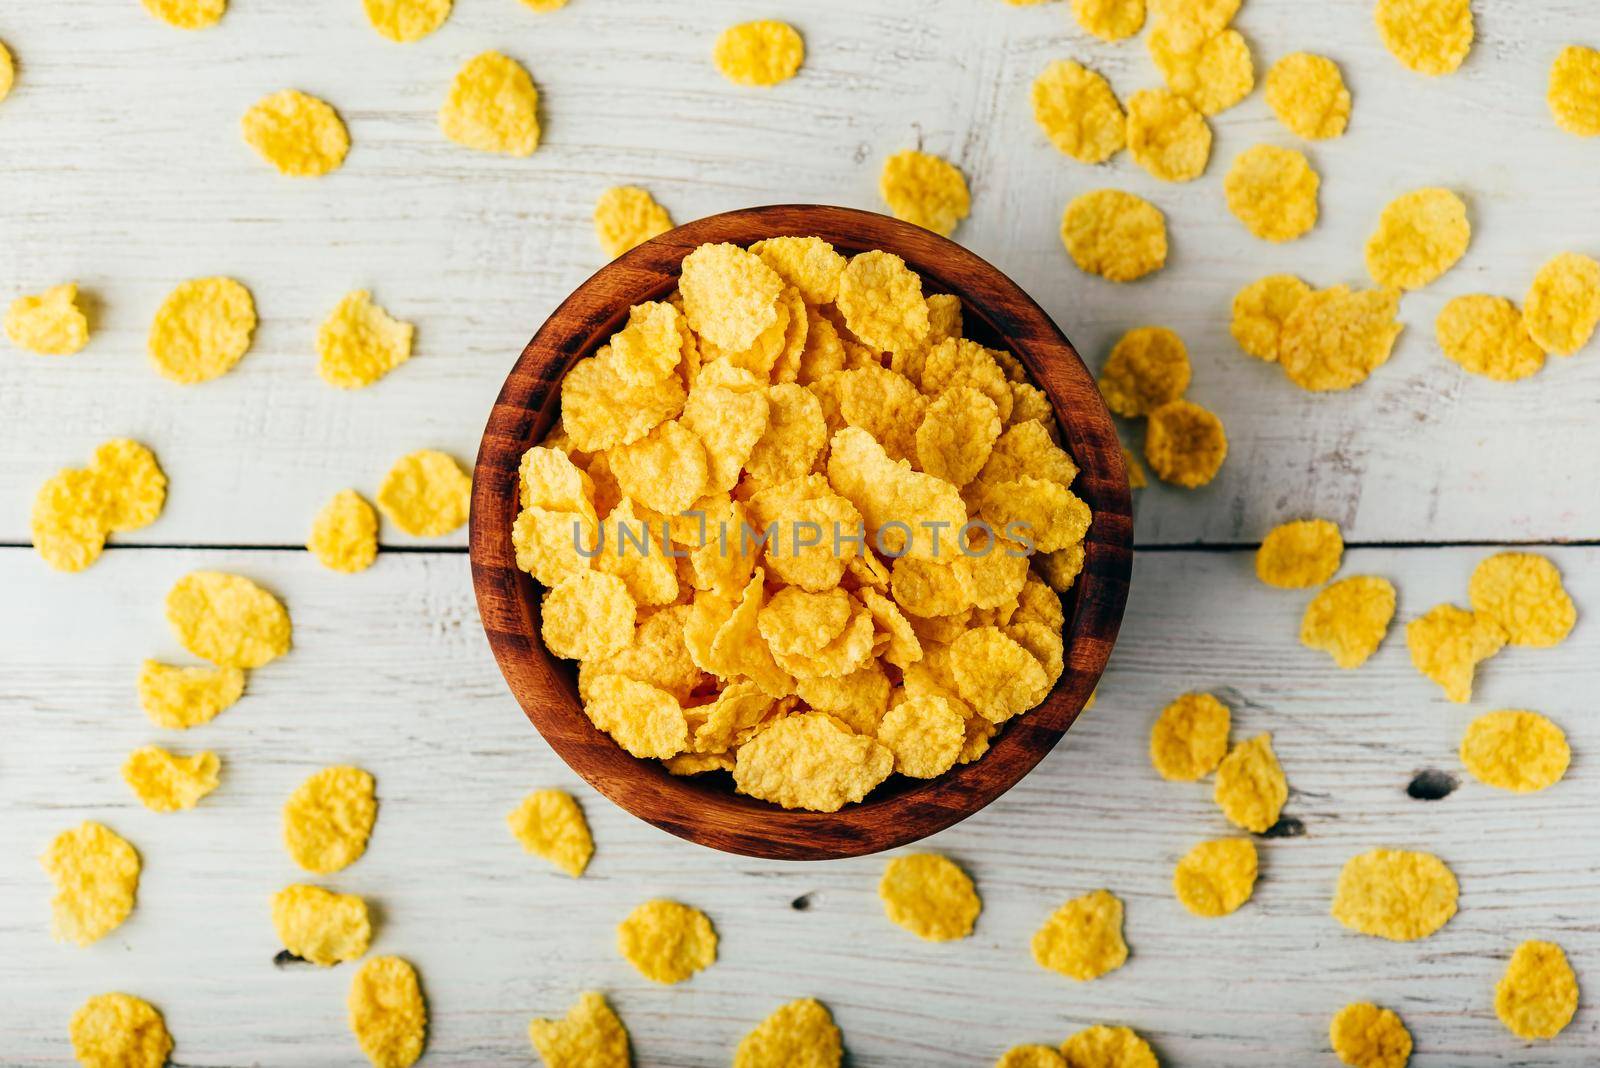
x,y
705,812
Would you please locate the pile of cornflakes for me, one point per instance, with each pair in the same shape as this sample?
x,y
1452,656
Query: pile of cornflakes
x,y
916,504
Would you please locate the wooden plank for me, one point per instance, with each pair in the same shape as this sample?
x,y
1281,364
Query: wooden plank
x,y
124,170
390,671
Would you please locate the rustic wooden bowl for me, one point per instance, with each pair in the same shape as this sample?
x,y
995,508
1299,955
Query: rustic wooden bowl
x,y
705,809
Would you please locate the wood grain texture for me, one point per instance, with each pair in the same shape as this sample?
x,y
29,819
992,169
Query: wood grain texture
x,y
702,809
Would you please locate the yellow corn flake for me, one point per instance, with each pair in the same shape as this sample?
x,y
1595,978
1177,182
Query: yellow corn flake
x,y
698,763
925,190
8,71
1420,236
550,545
1448,643
492,106
996,675
403,21
202,329
1147,368
646,721
925,734
96,874
48,323
794,437
1203,16
665,470
301,136
549,823
1563,304
845,654
1167,135
1273,191
68,522
1251,787
131,483
180,698
1030,1056
1538,995
930,896
729,295
227,619
1487,336
545,5
1027,449
1299,554
344,534
1349,619
811,761
426,494
1366,1036
930,588
887,492
658,655
1335,338
1185,444
328,818
547,478
1083,938
590,1036
359,343
796,622
1574,94
1215,878
1212,72
1431,37
957,435
760,53
1523,593
588,615
119,1031
667,942
800,1034
320,926
625,217
1260,311
1045,513
1110,20
1515,750
1062,567
187,14
1190,738
600,409
1107,1047
881,301
1394,894
165,782
809,264
1077,110
650,347
387,1013
1114,234
1308,95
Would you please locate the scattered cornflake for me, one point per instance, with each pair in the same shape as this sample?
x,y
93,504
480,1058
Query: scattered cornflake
x,y
1420,236
1215,878
403,21
1101,1046
1562,307
1299,554
1349,619
166,782
1394,894
300,135
492,106
666,941
1273,191
201,330
1538,995
320,926
1212,72
545,5
625,217
344,534
549,823
1308,95
426,494
1260,311
8,71
96,875
1185,444
119,1031
1251,787
1110,20
68,522
1574,94
1030,1056
1516,750
187,14
1190,737
1077,110
1431,37
1448,643
132,484
926,190
1335,338
328,818
1365,1036
1116,235
1167,135
227,619
180,698
1523,593
590,1036
801,1034
1147,368
760,53
811,761
1487,336
388,1015
1201,16
359,342
930,896
1083,938
48,323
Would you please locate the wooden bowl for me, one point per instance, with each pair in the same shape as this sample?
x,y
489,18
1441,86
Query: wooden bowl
x,y
705,809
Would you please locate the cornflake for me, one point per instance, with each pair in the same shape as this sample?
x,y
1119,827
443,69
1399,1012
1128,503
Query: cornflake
x,y
881,301
930,896
1431,37
187,14
201,330
1215,878
761,53
1335,338
549,823
1147,368
1167,135
301,136
359,343
1448,643
590,1036
8,71
1563,304
644,720
165,782
1212,72
1515,750
1107,1047
925,734
925,190
1110,20
1251,787
1420,236
1574,94
1396,895
1523,593
320,926
1538,995
1083,938
957,435
344,534
1185,444
119,1031
387,1013
1190,738
625,217
1299,554
184,697
588,615
1077,110
667,942
48,323
1260,310
1030,1056
1114,234
1487,336
403,21
1308,95
328,818
809,264
1365,1036
492,106
801,1034
1273,191
995,675
96,875
426,494
810,761
729,295
1349,619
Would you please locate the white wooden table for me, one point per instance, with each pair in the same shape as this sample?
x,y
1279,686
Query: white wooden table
x,y
121,167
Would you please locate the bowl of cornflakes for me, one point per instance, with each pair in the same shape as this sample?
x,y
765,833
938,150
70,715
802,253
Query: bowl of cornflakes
x,y
801,532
